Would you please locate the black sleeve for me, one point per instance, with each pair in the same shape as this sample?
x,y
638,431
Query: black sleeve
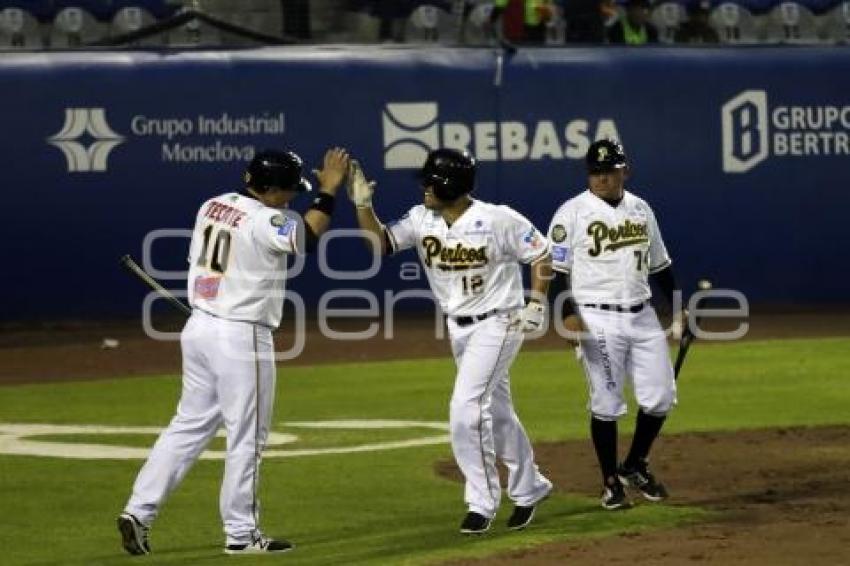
x,y
665,280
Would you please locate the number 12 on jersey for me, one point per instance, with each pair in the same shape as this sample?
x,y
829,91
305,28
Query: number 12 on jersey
x,y
220,252
472,284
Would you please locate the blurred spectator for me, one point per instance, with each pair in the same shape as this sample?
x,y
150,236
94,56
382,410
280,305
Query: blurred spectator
x,y
296,18
634,28
586,19
392,15
534,15
697,28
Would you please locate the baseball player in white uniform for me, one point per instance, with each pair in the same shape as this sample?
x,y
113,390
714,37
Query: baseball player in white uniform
x,y
608,243
472,251
236,286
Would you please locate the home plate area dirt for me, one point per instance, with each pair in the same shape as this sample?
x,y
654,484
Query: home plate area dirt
x,y
781,497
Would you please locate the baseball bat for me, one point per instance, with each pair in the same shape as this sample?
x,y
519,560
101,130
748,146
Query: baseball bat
x,y
687,334
134,268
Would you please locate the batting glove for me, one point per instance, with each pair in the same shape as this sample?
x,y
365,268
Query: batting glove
x,y
359,189
532,316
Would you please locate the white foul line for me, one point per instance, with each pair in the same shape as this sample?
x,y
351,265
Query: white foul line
x,y
22,440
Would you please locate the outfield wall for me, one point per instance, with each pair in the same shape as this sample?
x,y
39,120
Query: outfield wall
x,y
745,153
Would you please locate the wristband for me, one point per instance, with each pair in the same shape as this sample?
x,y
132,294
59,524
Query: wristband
x,y
324,202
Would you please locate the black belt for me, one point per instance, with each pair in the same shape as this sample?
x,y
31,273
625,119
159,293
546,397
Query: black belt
x,y
617,308
467,320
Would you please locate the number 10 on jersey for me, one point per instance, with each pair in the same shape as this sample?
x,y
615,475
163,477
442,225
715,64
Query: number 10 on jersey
x,y
217,261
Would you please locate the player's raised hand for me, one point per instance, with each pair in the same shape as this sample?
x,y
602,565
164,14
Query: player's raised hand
x,y
334,169
360,190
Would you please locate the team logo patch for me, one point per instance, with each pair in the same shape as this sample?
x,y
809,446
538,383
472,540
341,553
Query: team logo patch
x,y
560,253
559,233
277,221
207,287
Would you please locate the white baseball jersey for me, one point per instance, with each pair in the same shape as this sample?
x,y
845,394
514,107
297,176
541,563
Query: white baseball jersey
x,y
608,251
237,259
472,266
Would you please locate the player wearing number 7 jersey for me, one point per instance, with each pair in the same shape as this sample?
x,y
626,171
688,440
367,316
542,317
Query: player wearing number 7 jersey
x,y
472,251
236,283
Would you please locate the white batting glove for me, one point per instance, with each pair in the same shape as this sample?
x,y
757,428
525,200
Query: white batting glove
x,y
533,316
359,189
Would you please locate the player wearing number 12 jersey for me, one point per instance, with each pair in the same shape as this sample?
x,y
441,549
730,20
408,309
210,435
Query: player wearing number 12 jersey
x,y
472,251
236,284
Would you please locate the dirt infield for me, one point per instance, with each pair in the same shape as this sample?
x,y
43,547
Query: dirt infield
x,y
62,351
781,495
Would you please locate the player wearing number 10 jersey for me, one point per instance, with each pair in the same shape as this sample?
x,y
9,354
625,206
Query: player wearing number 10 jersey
x,y
236,279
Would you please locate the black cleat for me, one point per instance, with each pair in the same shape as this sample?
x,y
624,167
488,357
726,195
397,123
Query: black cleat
x,y
521,517
474,524
259,545
134,534
642,479
614,497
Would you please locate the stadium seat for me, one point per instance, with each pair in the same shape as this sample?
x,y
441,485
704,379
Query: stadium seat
x,y
75,27
133,18
734,23
477,28
430,24
100,10
835,24
667,16
792,23
19,29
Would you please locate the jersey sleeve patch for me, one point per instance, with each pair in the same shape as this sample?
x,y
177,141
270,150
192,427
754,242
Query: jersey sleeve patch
x,y
560,253
533,240
559,233
286,228
206,287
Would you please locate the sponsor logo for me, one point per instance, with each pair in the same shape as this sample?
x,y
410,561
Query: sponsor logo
x,y
286,228
79,124
626,234
412,129
753,130
86,139
207,287
457,258
560,253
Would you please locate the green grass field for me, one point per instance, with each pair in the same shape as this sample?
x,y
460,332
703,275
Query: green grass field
x,y
380,507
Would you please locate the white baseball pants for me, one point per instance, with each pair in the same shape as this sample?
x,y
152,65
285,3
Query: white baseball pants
x,y
483,423
229,379
618,346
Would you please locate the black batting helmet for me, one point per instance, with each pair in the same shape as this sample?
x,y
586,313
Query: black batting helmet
x,y
450,172
274,168
605,156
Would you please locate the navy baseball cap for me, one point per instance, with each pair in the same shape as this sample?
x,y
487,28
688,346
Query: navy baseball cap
x,y
604,156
